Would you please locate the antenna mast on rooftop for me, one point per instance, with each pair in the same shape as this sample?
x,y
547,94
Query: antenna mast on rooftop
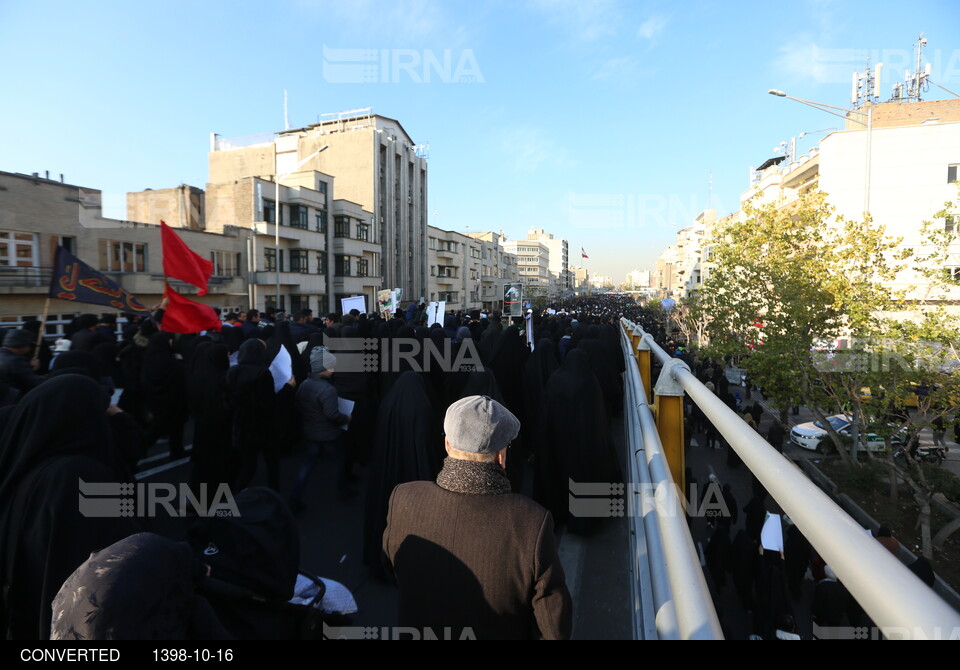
x,y
866,86
916,81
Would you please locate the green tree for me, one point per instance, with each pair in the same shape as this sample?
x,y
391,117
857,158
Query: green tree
x,y
804,296
790,280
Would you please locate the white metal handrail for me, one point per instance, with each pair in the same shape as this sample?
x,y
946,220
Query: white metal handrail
x,y
901,605
681,599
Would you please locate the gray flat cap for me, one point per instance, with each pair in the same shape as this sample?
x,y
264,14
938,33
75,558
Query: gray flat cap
x,y
16,339
480,425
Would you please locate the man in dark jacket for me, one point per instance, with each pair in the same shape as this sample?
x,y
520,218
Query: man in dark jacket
x,y
15,370
472,559
318,401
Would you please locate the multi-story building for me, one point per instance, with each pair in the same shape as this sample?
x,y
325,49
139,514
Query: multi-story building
x,y
638,279
580,279
376,165
454,269
901,168
558,261
533,263
665,279
498,267
39,214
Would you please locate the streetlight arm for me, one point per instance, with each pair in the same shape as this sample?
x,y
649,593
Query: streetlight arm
x,y
822,106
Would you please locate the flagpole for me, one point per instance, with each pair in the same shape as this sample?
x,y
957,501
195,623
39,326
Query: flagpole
x,y
43,325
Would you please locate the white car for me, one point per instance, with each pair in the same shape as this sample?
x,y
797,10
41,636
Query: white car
x,y
813,436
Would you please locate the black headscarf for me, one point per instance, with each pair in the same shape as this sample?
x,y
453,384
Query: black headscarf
x,y
140,588
56,436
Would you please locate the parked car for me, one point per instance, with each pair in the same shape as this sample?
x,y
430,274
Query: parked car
x,y
813,436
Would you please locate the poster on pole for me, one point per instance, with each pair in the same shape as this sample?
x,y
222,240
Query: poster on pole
x,y
528,317
435,312
387,301
513,300
358,303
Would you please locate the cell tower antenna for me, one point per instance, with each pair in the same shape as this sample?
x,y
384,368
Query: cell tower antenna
x,y
917,81
865,86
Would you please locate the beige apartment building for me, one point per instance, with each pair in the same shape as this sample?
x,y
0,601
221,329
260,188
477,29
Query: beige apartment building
x,y
558,260
377,166
454,261
38,214
533,262
468,270
499,267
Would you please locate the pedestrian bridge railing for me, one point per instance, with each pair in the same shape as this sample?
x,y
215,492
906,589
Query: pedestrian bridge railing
x,y
671,598
894,598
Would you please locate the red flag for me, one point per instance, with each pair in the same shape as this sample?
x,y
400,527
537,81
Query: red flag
x,y
183,315
583,253
181,263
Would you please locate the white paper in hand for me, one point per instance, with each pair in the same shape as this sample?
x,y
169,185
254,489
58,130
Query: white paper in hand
x,y
346,407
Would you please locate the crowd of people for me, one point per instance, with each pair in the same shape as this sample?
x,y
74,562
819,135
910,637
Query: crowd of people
x,y
92,404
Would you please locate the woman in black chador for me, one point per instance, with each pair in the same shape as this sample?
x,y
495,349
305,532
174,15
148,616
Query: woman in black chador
x,y
207,394
58,435
162,377
408,448
576,439
251,401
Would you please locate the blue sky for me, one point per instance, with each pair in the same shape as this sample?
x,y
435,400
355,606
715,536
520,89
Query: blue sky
x,y
600,121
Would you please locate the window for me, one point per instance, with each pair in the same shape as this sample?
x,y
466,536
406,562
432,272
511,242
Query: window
x,y
18,249
321,264
322,222
322,187
949,225
68,243
123,256
270,260
298,303
952,172
298,261
269,211
433,270
271,301
449,296
444,271
362,267
298,216
433,243
363,232
225,263
341,226
952,273
342,266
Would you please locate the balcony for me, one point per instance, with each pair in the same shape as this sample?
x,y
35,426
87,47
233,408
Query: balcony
x,y
30,280
444,253
309,283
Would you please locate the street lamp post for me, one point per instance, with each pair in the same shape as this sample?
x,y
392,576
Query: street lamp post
x,y
823,107
276,216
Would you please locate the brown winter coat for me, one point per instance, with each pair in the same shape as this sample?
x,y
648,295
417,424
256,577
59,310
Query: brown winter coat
x,y
475,563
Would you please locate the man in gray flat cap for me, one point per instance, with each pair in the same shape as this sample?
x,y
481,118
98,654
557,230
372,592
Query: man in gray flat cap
x,y
15,370
472,559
